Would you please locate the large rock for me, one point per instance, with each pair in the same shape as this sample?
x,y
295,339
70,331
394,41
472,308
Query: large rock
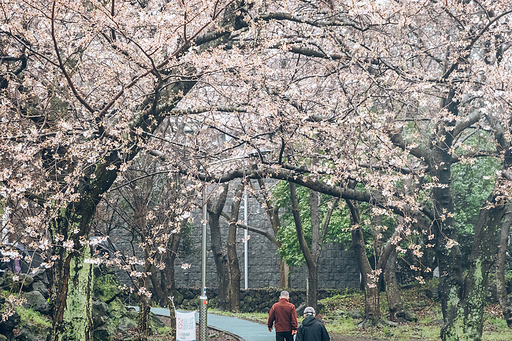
x,y
41,275
7,326
126,323
26,335
41,287
101,334
36,301
24,281
99,313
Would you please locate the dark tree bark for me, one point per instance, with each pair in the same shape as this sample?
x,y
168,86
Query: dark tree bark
x,y
220,258
234,267
396,310
481,260
369,283
501,285
318,234
275,222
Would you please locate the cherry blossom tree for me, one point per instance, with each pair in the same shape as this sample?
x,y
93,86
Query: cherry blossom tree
x,y
84,85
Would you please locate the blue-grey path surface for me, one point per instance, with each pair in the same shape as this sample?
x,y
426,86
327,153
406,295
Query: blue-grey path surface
x,y
249,331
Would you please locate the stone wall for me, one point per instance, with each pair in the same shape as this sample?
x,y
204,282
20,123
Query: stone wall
x,y
251,300
338,268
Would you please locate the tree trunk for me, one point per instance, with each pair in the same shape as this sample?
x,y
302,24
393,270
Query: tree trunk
x,y
396,310
71,298
234,267
446,247
275,222
168,276
143,323
158,289
368,280
220,258
501,285
71,279
482,258
284,274
312,280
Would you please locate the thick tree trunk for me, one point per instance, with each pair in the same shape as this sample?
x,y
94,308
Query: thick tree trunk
x,y
447,249
368,280
158,289
501,285
482,258
220,258
312,287
72,298
234,267
71,278
396,310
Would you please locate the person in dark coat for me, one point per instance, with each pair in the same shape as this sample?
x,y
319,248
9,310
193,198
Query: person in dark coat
x,y
284,316
311,329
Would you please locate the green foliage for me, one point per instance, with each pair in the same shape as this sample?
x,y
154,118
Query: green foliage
x,y
338,228
471,185
32,320
187,244
106,286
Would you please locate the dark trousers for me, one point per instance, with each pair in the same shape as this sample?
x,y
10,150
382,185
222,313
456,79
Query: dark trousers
x,y
284,336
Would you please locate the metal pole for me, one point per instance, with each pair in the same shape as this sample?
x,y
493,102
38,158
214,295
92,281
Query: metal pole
x,y
246,244
203,331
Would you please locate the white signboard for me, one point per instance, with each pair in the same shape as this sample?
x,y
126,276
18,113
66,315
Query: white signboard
x,y
186,326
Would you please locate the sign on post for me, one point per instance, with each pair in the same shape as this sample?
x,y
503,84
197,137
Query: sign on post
x,y
186,326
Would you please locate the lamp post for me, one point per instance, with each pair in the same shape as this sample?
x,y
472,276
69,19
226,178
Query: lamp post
x,y
203,309
246,245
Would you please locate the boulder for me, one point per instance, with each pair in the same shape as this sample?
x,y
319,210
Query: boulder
x,y
41,287
101,334
36,301
99,313
13,285
41,275
26,335
7,326
126,323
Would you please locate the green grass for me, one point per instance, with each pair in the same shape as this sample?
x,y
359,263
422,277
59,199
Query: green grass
x,y
33,320
338,311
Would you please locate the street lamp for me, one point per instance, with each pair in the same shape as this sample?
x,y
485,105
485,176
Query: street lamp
x,y
246,245
203,309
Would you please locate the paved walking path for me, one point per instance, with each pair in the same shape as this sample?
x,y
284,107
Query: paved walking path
x,y
249,331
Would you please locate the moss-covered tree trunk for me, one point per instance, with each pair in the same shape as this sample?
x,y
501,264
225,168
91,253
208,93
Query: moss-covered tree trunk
x,y
71,279
482,258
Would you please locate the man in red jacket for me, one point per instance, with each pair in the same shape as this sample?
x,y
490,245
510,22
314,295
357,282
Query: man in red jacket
x,y
284,316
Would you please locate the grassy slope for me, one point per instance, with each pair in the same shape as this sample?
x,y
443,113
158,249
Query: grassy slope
x,y
338,310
